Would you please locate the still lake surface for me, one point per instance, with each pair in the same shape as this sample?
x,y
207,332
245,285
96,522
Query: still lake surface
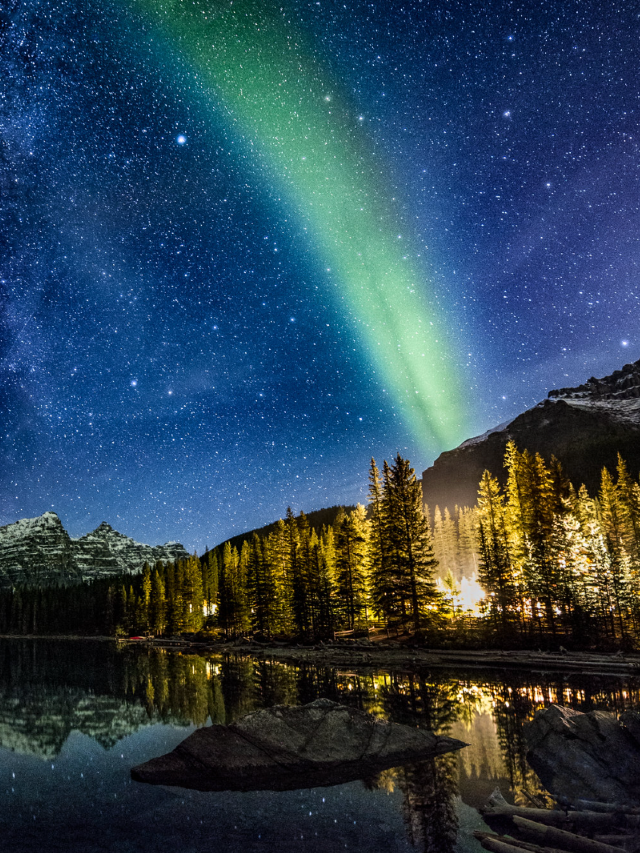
x,y
75,717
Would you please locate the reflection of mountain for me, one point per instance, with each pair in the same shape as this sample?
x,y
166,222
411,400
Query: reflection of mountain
x,y
38,722
51,688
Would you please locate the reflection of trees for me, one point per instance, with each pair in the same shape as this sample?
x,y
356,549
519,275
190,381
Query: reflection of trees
x,y
429,787
174,688
516,698
511,709
435,703
428,807
49,687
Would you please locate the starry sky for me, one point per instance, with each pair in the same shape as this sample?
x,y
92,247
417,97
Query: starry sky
x,y
246,246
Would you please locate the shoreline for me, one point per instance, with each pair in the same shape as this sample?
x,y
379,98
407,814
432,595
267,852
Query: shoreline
x,y
368,656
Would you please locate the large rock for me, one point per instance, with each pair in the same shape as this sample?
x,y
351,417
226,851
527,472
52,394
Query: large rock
x,y
590,756
39,551
284,748
584,427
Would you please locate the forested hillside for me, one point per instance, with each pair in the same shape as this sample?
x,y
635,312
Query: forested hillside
x,y
554,565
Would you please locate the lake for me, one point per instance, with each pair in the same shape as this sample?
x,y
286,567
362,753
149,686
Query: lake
x,y
75,716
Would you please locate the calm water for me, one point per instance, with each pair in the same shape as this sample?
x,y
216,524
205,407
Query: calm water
x,y
75,717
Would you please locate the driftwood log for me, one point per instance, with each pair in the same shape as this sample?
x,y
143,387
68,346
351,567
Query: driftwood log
x,y
585,821
505,844
596,806
603,828
551,836
500,844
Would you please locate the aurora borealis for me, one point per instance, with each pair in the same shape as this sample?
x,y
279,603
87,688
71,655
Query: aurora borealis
x,y
295,118
246,247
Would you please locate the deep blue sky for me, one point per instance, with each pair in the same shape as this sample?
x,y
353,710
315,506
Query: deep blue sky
x,y
173,358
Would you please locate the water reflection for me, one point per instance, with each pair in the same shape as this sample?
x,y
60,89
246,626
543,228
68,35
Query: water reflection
x,y
50,689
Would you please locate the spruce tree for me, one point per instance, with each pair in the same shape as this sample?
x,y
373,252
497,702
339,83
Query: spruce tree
x,y
496,572
351,568
410,541
299,535
380,569
145,598
261,589
158,604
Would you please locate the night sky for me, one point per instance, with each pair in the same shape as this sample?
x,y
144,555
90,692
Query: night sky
x,y
244,247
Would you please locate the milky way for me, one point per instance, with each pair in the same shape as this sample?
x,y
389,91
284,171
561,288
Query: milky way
x,y
226,236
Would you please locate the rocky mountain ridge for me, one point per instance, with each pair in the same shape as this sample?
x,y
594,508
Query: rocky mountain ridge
x,y
584,427
40,551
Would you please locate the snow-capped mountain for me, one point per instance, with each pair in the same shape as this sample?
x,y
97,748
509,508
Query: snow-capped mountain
x,y
584,427
40,551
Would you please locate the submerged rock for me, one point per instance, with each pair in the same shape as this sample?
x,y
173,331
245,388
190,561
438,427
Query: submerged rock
x,y
284,748
586,756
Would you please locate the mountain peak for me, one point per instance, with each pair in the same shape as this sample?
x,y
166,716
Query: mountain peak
x,y
40,551
623,384
584,427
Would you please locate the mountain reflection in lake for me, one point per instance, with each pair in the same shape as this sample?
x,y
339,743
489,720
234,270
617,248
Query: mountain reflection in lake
x,y
76,716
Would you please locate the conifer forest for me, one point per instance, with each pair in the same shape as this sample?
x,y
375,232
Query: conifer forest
x,y
537,562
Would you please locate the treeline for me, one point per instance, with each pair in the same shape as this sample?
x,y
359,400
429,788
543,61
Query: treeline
x,y
374,566
455,542
557,566
556,563
166,599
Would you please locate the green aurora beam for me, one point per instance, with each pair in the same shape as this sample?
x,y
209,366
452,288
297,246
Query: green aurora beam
x,y
289,111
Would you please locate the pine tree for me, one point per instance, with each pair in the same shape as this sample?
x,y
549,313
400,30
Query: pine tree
x,y
410,540
324,561
467,536
532,501
158,605
145,598
496,572
193,594
261,589
380,569
278,555
210,576
351,568
299,536
616,527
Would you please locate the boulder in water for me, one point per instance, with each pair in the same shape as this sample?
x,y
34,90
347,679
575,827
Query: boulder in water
x,y
586,756
284,748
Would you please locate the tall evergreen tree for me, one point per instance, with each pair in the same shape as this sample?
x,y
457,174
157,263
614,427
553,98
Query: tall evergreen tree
x,y
351,568
496,572
410,539
158,604
380,569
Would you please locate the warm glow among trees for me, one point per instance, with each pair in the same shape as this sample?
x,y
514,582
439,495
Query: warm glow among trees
x,y
533,562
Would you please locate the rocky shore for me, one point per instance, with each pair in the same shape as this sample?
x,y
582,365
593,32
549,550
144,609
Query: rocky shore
x,y
363,654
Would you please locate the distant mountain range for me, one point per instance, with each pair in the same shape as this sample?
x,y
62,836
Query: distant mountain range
x,y
40,551
584,427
